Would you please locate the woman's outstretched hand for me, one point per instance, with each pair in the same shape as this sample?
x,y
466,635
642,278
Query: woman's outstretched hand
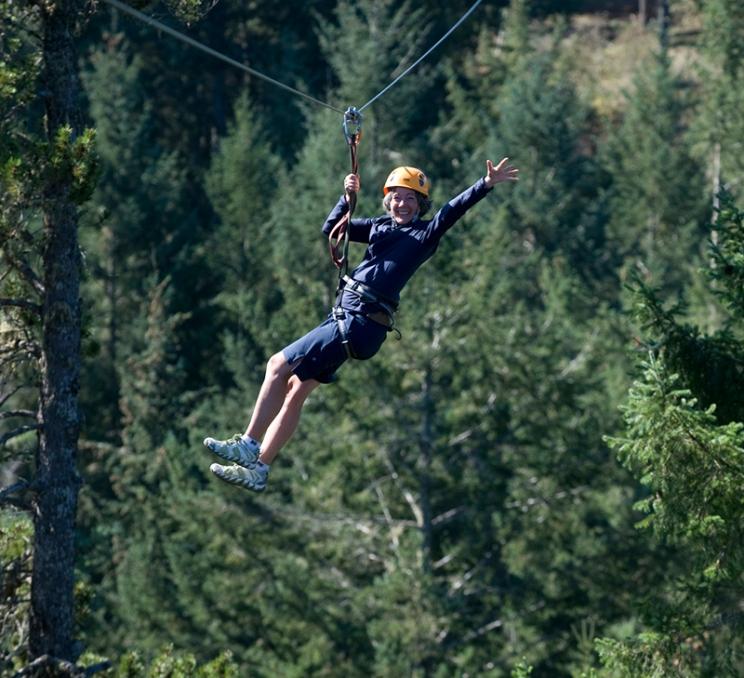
x,y
501,172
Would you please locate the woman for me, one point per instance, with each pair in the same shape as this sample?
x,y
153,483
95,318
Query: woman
x,y
399,242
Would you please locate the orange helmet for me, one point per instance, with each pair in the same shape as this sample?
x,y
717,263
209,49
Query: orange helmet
x,y
408,177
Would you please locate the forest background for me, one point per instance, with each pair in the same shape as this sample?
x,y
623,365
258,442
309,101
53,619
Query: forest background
x,y
542,477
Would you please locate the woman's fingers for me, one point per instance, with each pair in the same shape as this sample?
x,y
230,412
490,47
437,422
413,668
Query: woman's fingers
x,y
351,182
501,172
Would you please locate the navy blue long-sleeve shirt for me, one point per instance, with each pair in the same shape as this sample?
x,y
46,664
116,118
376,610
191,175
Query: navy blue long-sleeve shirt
x,y
396,252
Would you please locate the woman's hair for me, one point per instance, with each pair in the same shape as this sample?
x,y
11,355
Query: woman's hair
x,y
424,204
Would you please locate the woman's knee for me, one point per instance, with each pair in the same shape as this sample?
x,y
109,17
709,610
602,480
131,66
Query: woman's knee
x,y
277,366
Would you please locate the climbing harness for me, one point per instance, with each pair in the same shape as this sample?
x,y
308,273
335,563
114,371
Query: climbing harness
x,y
370,295
384,317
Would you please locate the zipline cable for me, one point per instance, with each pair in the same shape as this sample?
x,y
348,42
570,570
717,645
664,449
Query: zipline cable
x,y
212,52
339,237
423,56
190,41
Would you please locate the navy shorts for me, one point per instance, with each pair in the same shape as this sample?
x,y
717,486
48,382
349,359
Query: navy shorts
x,y
320,352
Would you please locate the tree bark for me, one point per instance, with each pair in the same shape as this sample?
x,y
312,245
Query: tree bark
x,y
57,480
426,442
425,445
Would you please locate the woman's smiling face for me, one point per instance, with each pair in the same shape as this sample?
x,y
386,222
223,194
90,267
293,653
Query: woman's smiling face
x,y
403,205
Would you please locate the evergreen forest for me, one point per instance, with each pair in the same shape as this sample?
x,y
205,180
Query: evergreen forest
x,y
543,476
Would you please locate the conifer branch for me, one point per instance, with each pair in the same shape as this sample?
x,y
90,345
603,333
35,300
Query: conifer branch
x,y
7,396
20,350
28,273
407,495
25,26
17,432
17,413
7,492
447,516
21,303
49,665
394,533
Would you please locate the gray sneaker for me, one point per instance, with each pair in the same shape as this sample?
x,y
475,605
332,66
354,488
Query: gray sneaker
x,y
236,449
254,478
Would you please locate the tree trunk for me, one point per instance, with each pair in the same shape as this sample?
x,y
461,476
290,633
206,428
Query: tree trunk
x,y
642,12
57,481
426,442
664,21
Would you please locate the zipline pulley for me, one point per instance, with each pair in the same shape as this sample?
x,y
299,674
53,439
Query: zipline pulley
x,y
352,125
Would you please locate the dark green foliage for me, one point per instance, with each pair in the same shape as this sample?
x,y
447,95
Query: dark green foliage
x,y
727,273
685,439
171,664
16,536
555,207
720,125
656,199
243,185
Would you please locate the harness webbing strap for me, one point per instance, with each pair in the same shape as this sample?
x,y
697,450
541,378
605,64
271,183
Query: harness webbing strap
x,y
340,316
368,294
385,317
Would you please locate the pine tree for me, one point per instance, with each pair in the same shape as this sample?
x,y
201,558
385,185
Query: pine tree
x,y
48,171
142,225
473,85
656,198
556,207
721,123
243,184
685,439
366,53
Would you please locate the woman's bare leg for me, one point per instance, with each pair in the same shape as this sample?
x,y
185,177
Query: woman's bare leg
x,y
271,396
285,423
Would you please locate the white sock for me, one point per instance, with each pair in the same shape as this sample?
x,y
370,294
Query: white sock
x,y
251,441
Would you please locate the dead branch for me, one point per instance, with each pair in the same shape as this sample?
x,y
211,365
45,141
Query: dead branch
x,y
22,303
60,667
7,396
17,432
18,413
18,358
21,486
28,273
17,347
